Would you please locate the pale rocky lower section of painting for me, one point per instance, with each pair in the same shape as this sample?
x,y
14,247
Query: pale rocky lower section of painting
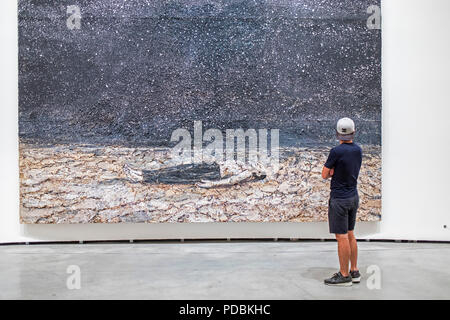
x,y
86,184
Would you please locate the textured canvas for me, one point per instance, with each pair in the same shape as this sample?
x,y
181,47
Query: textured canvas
x,y
193,111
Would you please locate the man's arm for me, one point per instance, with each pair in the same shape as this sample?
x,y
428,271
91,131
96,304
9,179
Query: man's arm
x,y
327,173
328,168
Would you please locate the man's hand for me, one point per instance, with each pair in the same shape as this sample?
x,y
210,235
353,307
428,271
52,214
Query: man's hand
x,y
327,173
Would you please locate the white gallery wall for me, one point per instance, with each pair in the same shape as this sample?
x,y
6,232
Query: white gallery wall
x,y
416,142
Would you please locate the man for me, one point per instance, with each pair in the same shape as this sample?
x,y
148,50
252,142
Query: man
x,y
343,164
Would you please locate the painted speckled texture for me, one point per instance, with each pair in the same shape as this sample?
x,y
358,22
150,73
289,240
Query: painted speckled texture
x,y
136,70
98,105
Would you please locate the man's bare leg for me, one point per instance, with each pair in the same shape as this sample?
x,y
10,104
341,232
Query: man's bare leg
x,y
353,251
343,252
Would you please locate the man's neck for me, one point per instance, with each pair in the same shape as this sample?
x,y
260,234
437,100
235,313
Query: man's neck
x,y
345,141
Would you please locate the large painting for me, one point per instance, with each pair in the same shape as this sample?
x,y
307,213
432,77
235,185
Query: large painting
x,y
194,110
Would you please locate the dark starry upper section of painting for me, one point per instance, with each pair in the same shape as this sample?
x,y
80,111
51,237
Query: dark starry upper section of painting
x,y
136,70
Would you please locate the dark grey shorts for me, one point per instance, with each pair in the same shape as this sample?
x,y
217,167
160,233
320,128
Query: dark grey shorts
x,y
342,214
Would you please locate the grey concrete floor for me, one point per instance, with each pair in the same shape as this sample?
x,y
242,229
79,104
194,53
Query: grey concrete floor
x,y
221,270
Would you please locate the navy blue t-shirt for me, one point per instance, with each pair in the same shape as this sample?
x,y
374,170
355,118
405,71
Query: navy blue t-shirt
x,y
346,160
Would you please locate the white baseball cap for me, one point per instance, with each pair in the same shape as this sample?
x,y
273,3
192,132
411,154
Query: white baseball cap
x,y
345,129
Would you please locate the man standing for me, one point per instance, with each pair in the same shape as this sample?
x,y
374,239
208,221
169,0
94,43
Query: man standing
x,y
343,164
